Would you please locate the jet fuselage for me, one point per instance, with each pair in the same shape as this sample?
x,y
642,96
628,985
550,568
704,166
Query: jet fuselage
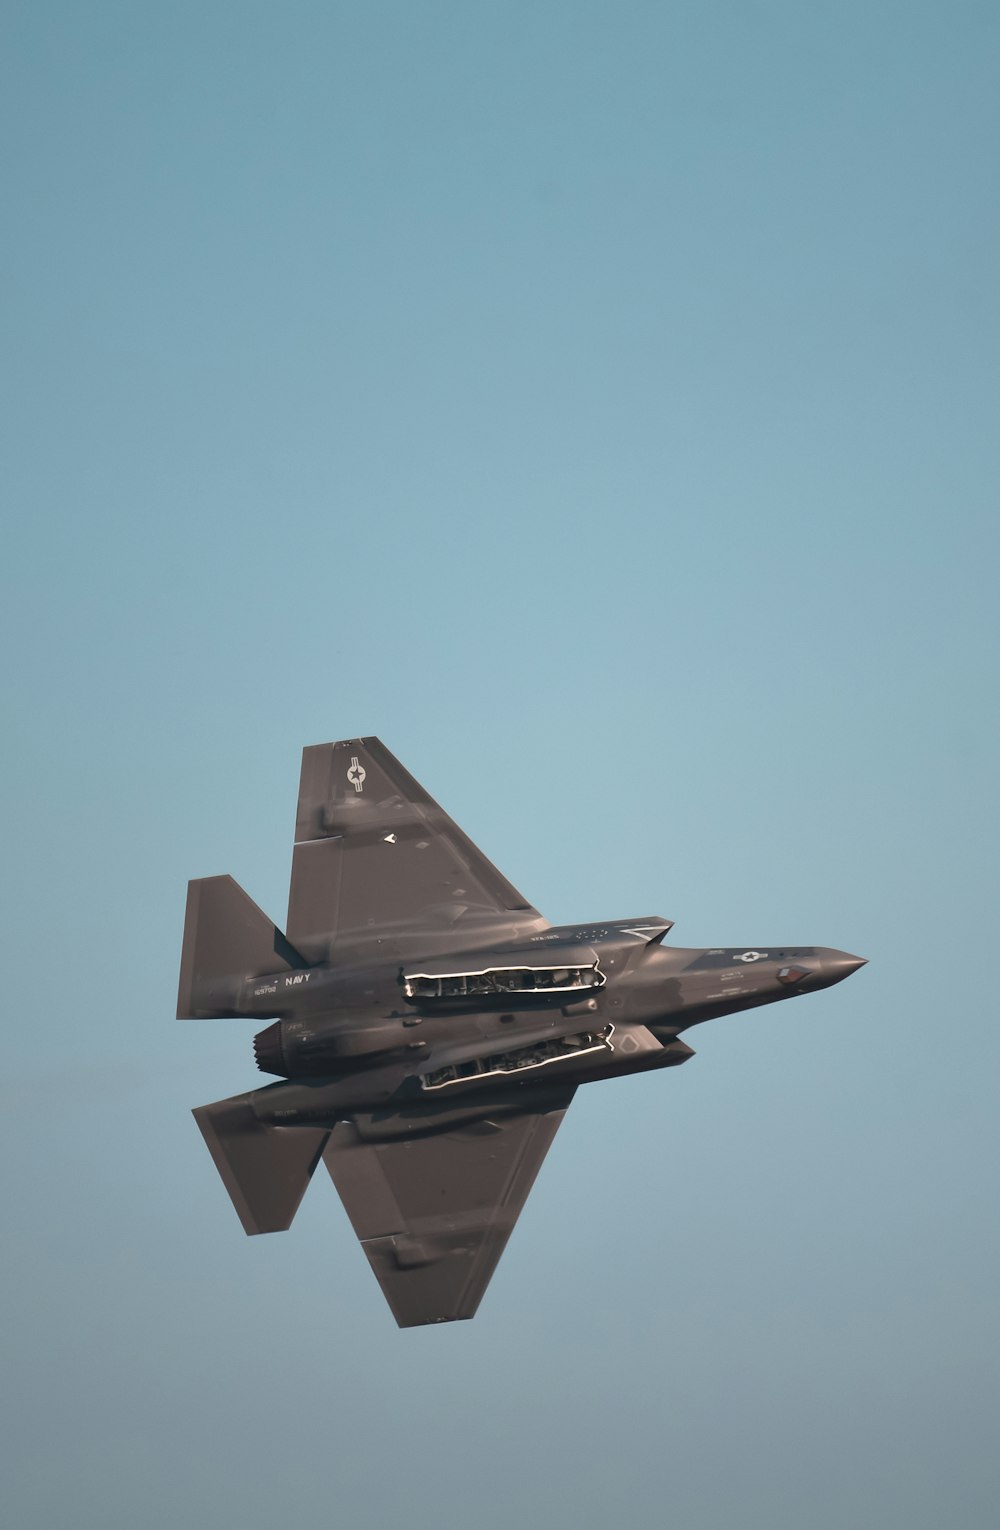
x,y
580,1003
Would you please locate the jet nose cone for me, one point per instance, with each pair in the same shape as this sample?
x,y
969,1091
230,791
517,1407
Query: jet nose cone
x,y
838,965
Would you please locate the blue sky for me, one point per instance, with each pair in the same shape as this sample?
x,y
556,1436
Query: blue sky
x,y
597,402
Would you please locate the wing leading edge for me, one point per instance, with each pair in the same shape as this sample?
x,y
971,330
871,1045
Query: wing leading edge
x,y
380,871
434,1212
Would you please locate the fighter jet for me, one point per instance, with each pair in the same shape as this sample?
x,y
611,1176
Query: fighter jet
x,y
430,1027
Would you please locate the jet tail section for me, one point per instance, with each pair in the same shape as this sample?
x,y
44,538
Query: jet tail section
x,y
266,1169
227,939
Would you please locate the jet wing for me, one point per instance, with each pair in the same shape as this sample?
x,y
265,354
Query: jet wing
x,y
434,1212
379,870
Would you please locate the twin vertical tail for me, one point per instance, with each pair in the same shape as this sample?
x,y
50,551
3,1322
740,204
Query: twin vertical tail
x,y
227,939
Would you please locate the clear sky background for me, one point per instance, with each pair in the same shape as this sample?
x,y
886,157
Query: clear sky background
x,y
599,403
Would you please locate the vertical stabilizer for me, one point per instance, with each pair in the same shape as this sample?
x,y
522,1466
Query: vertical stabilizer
x,y
227,939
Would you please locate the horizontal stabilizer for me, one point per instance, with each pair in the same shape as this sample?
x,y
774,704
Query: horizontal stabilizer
x,y
227,939
266,1169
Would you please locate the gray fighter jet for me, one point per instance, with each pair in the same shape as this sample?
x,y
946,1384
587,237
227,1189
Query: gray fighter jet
x,y
430,1027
